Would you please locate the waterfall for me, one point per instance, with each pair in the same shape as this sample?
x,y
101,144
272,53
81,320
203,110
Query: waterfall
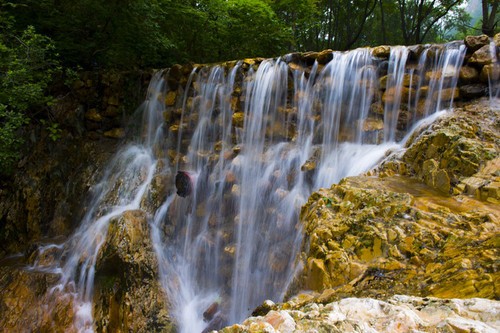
x,y
122,187
237,236
255,139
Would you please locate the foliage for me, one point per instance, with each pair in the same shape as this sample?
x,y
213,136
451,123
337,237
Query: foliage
x,y
27,64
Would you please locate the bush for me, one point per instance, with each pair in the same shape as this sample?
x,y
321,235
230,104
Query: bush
x,y
27,66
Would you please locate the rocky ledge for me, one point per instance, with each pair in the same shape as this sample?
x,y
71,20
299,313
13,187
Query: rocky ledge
x,y
424,224
397,314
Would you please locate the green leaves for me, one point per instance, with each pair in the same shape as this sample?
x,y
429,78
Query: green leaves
x,y
27,65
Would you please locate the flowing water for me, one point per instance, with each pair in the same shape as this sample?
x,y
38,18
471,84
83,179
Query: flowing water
x,y
235,240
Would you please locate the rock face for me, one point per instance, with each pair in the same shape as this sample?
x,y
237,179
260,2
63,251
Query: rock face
x,y
397,314
128,296
44,197
389,233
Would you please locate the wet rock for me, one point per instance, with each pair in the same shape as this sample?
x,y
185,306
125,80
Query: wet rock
x,y
170,98
115,133
482,56
264,308
446,95
128,295
490,73
383,51
393,93
325,57
238,119
474,43
367,238
396,314
93,115
471,91
215,324
468,74
210,312
184,183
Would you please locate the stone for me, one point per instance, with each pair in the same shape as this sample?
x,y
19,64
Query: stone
x,y
170,98
383,51
472,91
325,57
474,43
482,56
133,279
115,133
468,74
93,115
114,100
392,94
372,124
396,314
490,73
238,119
446,95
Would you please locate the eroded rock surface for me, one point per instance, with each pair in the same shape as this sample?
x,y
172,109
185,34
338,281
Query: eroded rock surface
x,y
397,314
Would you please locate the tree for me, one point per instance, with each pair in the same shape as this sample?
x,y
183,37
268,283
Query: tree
x,y
490,16
419,17
27,66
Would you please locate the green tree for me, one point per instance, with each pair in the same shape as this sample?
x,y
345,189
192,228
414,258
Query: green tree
x,y
95,33
490,16
27,66
418,18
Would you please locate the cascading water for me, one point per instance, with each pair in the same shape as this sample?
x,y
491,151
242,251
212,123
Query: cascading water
x,y
122,188
255,142
237,237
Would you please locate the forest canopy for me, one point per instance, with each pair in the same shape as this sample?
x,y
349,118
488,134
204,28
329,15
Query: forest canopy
x,y
158,33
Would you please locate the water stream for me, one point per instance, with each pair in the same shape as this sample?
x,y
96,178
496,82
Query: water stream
x,y
234,241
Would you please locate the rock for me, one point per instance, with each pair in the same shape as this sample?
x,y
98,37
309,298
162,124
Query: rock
x,y
93,115
482,56
392,93
496,39
383,51
170,98
112,111
363,233
468,74
114,100
215,324
471,91
452,142
238,119
115,133
264,308
446,95
184,183
325,57
474,43
408,80
210,312
127,274
397,314
372,124
490,73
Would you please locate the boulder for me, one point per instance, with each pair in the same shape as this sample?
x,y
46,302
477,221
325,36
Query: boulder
x,y
490,73
471,91
396,314
468,74
128,295
474,43
383,51
482,56
368,237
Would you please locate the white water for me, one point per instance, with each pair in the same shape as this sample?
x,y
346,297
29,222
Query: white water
x,y
235,240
